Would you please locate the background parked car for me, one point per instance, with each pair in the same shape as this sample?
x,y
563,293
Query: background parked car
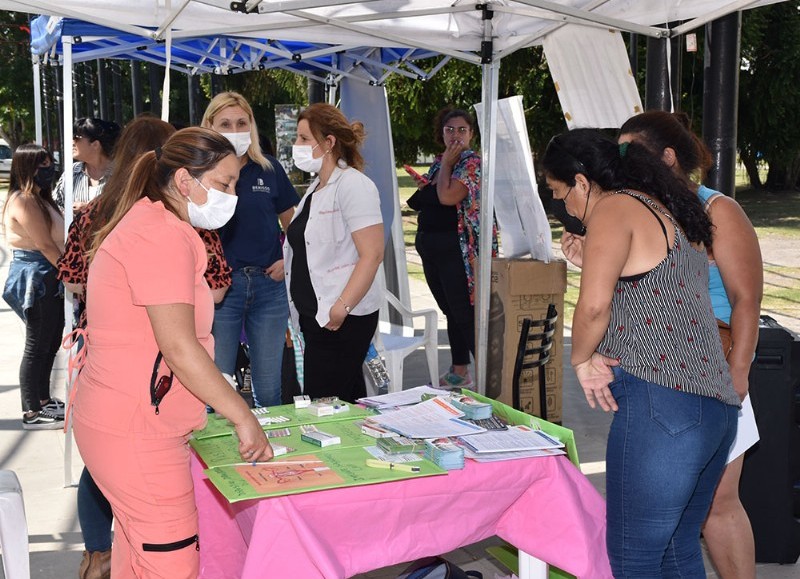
x,y
5,160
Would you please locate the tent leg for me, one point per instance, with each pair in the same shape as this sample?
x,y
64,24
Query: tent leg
x,y
490,72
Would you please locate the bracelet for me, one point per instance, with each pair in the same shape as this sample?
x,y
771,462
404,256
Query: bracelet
x,y
346,307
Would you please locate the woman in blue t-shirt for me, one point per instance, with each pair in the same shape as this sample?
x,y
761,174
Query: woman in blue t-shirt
x,y
251,241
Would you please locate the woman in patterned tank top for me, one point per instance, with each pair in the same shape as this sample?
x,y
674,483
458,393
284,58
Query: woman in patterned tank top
x,y
736,287
645,345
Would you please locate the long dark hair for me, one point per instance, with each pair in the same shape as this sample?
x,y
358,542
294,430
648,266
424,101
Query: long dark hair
x,y
142,134
196,149
631,166
659,130
24,165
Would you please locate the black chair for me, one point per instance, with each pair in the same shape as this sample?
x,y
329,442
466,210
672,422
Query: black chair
x,y
535,343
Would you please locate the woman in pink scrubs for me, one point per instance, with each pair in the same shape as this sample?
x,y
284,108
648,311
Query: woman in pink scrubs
x,y
149,371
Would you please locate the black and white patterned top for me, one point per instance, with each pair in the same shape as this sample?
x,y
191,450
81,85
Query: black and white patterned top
x,y
662,327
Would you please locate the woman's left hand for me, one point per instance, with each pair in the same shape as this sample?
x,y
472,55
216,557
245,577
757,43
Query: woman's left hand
x,y
337,316
275,271
595,375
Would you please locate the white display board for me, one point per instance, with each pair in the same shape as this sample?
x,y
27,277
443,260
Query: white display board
x,y
523,223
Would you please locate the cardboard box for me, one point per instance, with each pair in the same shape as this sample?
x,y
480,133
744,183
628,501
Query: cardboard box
x,y
525,288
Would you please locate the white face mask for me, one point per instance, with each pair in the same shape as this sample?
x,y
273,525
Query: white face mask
x,y
240,141
215,212
303,157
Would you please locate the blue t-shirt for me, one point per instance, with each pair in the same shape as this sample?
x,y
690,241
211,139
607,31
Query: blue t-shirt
x,y
716,289
252,236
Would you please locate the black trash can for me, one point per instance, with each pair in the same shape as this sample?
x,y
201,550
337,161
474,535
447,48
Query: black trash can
x,y
771,471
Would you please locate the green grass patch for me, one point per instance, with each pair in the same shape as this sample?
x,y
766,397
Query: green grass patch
x,y
772,213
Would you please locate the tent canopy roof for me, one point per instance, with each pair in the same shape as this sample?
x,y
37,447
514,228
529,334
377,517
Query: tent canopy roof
x,y
223,36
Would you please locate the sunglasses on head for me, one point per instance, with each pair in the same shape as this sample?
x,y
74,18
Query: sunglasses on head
x,y
159,385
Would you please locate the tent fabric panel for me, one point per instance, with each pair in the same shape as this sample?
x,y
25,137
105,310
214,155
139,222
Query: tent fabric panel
x,y
592,74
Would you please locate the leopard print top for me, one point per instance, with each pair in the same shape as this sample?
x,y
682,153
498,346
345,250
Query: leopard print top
x,y
73,268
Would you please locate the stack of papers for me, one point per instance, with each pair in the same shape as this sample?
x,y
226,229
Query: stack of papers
x,y
434,418
402,398
516,442
472,409
444,453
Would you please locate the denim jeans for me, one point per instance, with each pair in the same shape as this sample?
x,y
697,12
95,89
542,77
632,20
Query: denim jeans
x,y
261,304
666,452
94,514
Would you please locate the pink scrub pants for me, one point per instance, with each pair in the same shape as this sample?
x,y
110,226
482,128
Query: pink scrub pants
x,y
149,486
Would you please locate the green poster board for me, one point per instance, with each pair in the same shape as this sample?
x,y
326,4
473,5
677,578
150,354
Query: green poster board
x,y
342,467
219,426
223,450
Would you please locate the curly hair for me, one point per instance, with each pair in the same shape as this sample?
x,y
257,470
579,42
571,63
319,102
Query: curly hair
x,y
599,159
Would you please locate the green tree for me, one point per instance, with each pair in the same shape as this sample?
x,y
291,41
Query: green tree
x,y
414,103
769,89
16,79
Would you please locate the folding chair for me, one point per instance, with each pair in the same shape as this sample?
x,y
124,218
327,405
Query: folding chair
x,y
534,352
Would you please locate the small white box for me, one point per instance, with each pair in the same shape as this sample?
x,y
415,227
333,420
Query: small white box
x,y
320,409
302,401
320,438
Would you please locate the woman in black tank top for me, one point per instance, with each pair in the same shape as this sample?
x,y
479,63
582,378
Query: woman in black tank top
x,y
645,345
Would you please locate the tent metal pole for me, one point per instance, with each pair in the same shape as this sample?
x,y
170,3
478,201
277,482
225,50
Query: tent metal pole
x,y
490,73
68,201
37,98
721,99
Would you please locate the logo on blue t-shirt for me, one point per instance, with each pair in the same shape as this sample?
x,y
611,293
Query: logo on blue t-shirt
x,y
260,187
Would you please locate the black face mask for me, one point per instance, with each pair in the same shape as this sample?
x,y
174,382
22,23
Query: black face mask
x,y
44,177
571,224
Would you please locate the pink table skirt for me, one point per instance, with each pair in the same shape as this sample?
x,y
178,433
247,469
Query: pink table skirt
x,y
543,506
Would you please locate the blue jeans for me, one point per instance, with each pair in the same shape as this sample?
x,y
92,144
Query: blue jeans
x,y
94,514
261,304
666,452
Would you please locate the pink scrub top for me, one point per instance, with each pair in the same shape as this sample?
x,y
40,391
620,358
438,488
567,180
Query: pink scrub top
x,y
150,258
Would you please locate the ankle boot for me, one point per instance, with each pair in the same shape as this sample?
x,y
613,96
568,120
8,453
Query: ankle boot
x,y
95,565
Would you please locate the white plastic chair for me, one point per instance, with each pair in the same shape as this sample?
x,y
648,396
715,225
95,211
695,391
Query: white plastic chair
x,y
13,528
394,345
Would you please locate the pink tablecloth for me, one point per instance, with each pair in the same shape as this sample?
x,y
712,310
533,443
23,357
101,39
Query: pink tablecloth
x,y
544,506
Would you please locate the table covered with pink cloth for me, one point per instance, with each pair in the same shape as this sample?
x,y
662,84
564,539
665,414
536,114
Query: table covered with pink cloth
x,y
543,506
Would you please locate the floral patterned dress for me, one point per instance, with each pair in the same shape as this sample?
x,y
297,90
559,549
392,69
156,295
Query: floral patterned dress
x,y
468,172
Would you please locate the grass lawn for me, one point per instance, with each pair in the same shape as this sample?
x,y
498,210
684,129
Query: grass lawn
x,y
775,216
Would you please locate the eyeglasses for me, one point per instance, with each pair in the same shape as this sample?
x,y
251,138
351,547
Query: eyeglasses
x,y
460,130
159,386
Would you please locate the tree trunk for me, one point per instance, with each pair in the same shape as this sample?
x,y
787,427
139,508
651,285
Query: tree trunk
x,y
751,166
